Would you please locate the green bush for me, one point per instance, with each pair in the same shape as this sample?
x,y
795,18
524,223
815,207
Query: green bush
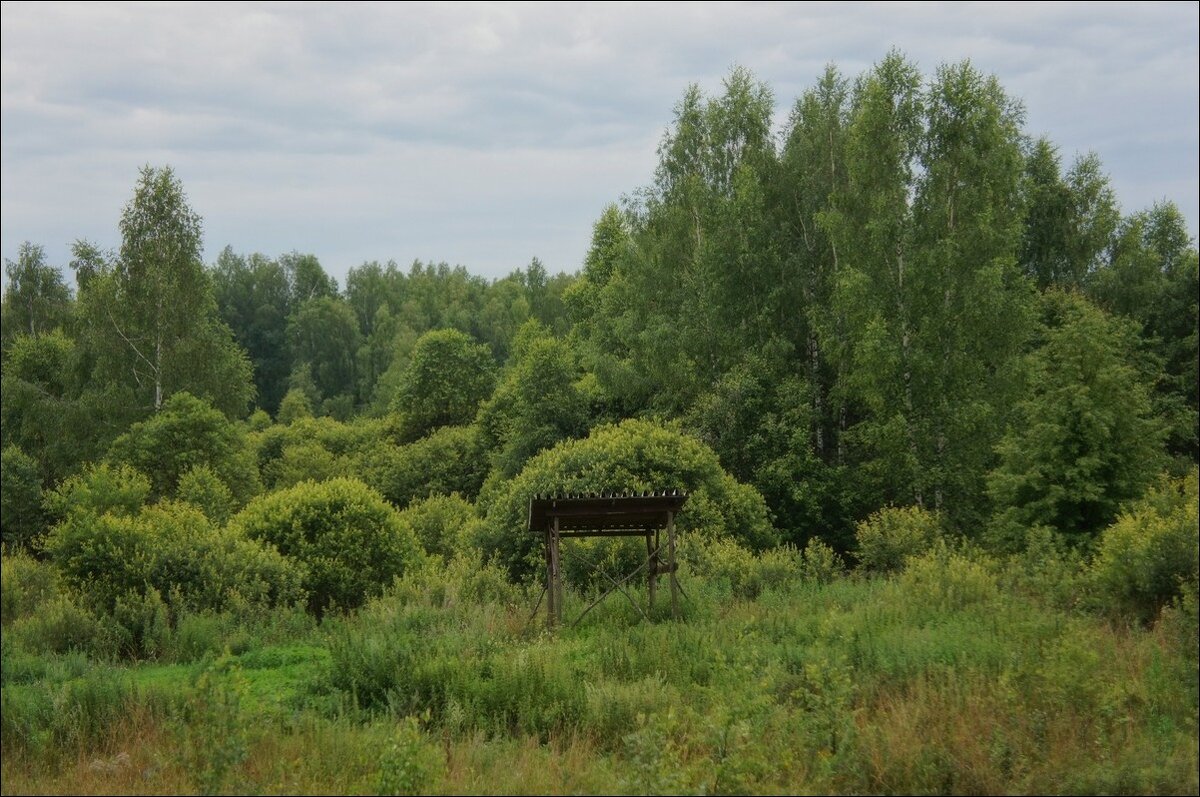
x,y
445,524
303,462
447,376
60,625
450,460
174,549
634,455
944,580
295,406
100,489
349,540
411,764
25,584
724,562
21,516
820,563
1144,559
891,535
186,432
202,488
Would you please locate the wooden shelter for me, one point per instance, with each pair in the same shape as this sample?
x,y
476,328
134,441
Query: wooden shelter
x,y
645,514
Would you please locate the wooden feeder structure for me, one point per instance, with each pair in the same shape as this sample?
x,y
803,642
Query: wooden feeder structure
x,y
646,514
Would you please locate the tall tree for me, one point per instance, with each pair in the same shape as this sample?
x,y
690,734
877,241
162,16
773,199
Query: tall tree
x,y
323,334
254,298
1084,438
151,318
927,229
36,299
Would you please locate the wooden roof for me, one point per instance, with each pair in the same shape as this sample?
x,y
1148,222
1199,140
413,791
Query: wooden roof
x,y
606,513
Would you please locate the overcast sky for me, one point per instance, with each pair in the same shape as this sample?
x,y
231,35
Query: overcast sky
x,y
485,134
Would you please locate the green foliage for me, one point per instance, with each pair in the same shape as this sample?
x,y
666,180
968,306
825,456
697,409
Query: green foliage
x,y
188,432
1151,553
203,488
254,297
634,456
21,516
411,764
745,574
36,300
820,563
890,536
173,549
450,460
323,334
26,584
294,406
446,378
759,418
39,409
99,489
149,320
446,525
944,579
537,403
1084,439
348,539
216,736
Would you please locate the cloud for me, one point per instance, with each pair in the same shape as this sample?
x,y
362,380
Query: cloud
x,y
487,133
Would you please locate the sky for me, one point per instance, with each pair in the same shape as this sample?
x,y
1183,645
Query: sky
x,y
484,134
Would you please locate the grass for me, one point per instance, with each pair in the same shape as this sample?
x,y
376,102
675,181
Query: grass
x,y
939,679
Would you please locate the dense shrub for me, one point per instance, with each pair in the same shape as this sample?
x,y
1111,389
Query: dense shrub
x,y
21,516
174,549
25,584
727,564
1145,559
186,432
893,534
313,448
634,455
447,376
449,460
349,540
100,489
444,524
202,488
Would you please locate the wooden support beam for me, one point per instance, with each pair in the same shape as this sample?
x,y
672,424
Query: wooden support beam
x,y
671,564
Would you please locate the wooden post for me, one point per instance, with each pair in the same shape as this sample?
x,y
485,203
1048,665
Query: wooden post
x,y
671,563
549,582
558,590
651,568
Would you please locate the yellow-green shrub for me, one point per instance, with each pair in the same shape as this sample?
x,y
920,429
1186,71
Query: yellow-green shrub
x,y
1146,556
350,542
634,455
893,534
445,524
172,548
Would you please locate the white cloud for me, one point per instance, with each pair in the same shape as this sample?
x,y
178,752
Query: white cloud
x,y
486,133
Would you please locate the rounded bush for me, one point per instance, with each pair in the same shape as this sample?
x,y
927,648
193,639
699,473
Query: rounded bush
x,y
1149,555
634,455
445,524
893,534
349,540
172,548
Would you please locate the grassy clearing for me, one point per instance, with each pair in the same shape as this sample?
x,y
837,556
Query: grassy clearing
x,y
942,678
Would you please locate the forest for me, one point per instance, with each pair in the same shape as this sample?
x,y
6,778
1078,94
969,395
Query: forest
x,y
932,393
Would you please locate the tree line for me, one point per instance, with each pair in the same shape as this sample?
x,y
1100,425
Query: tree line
x,y
901,298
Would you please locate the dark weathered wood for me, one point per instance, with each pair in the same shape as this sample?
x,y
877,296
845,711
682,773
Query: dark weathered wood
x,y
549,582
643,515
671,564
651,571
